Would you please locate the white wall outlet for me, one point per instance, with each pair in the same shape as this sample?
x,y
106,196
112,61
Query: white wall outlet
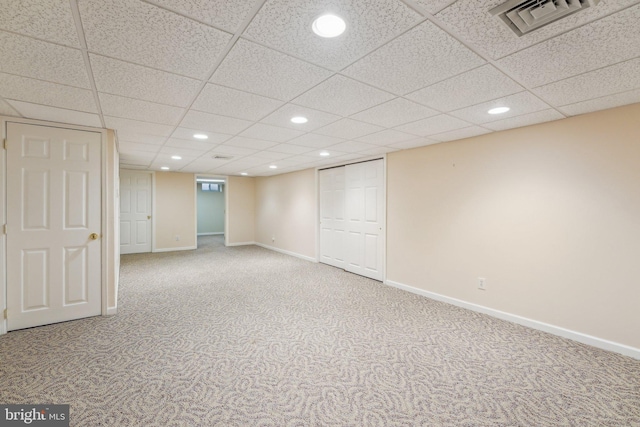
x,y
482,283
273,238
177,238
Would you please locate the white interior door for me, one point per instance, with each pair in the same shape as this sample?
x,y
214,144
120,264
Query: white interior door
x,y
365,202
53,207
135,212
352,209
332,217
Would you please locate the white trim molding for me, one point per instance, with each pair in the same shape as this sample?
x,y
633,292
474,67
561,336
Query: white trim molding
x,y
240,244
112,311
530,323
184,248
282,251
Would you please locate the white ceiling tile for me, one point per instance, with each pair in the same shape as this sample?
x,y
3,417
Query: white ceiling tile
x,y
418,58
525,120
148,35
271,155
234,103
213,123
127,147
191,145
460,134
290,149
519,104
315,154
248,162
616,78
6,109
165,157
137,126
473,87
379,150
471,20
43,61
187,134
138,155
54,114
254,144
230,150
434,6
610,40
314,140
395,113
271,133
119,106
293,161
282,117
51,20
348,129
135,81
257,69
386,137
343,96
130,136
605,102
433,125
184,152
41,92
286,26
420,142
352,146
224,14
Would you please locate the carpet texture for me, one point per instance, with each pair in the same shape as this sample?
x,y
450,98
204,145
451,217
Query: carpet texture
x,y
249,337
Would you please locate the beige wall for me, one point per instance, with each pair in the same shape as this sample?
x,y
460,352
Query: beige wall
x,y
175,211
548,214
286,207
240,221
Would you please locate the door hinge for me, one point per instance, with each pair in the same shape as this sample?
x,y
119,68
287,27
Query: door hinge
x,y
4,229
4,143
5,313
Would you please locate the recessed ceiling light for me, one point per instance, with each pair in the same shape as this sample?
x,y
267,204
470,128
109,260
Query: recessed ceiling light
x,y
244,174
328,26
324,153
176,157
165,168
273,167
299,120
498,110
200,136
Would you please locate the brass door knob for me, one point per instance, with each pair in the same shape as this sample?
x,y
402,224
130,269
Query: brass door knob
x,y
148,216
93,236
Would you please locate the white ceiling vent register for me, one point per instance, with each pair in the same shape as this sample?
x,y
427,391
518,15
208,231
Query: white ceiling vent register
x,y
524,16
221,157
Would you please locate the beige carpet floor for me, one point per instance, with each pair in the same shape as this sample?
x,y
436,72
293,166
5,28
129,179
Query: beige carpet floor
x,y
249,337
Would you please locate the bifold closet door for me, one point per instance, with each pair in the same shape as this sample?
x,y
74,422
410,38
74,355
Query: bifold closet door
x,y
352,203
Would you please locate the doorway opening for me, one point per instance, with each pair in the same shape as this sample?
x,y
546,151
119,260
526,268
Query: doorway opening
x,y
211,200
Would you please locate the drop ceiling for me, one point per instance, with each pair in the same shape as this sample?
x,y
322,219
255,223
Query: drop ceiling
x,y
404,74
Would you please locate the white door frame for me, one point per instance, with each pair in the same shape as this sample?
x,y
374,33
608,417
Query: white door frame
x,y
226,202
107,201
382,157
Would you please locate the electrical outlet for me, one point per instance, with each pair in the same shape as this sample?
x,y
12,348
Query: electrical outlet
x,y
273,238
482,283
177,238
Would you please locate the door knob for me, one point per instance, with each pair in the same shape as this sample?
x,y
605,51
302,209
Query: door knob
x,y
148,216
93,236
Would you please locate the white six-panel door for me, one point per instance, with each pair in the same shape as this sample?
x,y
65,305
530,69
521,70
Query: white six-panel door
x,y
135,212
53,225
352,209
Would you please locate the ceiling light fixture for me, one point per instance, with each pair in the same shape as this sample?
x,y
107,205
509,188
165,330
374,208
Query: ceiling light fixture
x,y
498,110
273,167
200,136
176,157
299,120
165,168
328,26
324,153
244,173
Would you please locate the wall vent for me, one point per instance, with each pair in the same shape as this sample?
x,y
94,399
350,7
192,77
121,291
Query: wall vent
x,y
221,157
524,16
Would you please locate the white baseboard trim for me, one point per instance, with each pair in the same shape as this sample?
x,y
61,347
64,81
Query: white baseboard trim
x,y
241,243
211,234
186,248
112,311
534,324
282,251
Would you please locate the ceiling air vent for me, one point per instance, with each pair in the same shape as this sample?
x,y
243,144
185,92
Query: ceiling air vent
x,y
524,16
220,157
